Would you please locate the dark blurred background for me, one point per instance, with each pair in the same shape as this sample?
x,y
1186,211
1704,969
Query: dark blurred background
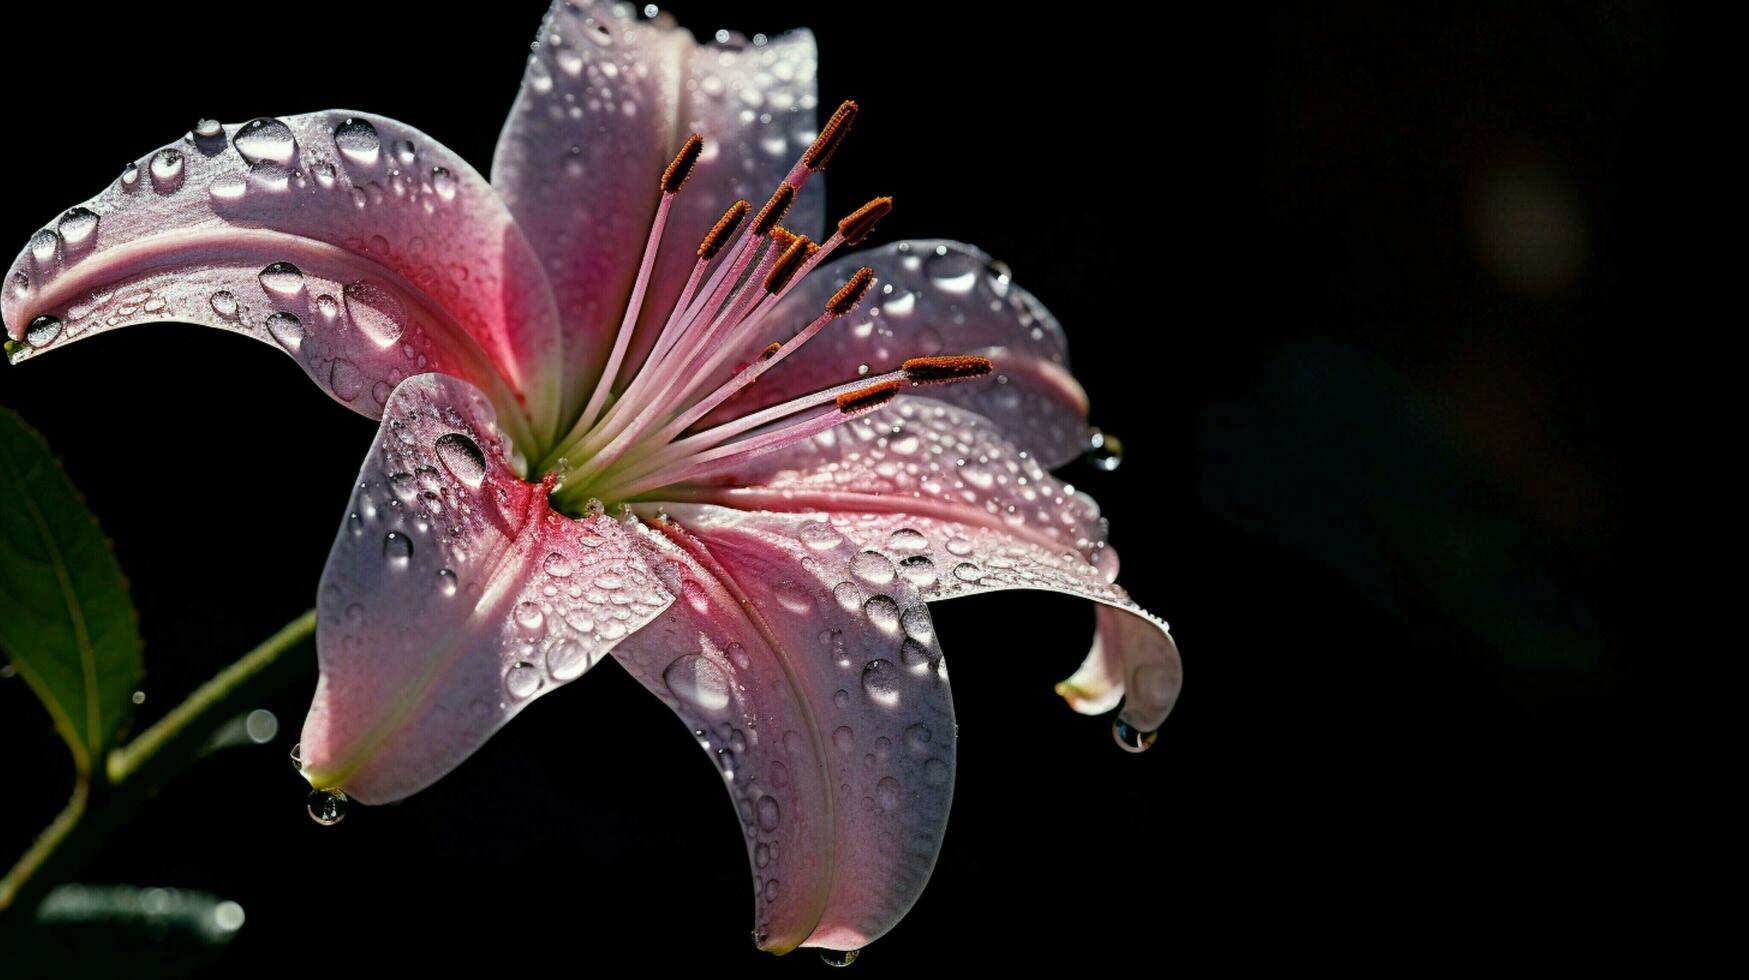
x,y
1364,290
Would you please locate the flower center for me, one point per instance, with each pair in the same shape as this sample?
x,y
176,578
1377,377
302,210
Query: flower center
x,y
649,435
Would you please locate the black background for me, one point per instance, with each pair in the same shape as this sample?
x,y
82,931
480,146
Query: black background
x,y
1361,289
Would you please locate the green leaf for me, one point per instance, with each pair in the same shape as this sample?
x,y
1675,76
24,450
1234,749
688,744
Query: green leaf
x,y
66,621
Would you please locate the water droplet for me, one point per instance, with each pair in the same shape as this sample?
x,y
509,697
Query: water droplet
x,y
297,756
883,612
443,182
522,680
917,739
919,571
282,277
130,175
224,304
916,623
43,245
907,539
328,306
42,331
567,660
843,738
915,655
794,597
404,152
839,957
20,285
376,310
265,139
697,680
287,330
960,547
77,225
872,567
936,772
446,581
965,571
558,566
228,187
358,141
951,270
880,681
462,457
1129,737
530,617
167,169
327,806
768,813
762,855
1103,452
398,549
887,793
206,129
819,536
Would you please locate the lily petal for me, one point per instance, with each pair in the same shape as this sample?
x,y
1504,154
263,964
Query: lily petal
x,y
981,515
453,596
934,297
605,103
358,245
809,669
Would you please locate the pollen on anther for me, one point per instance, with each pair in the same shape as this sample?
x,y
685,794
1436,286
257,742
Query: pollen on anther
x,y
846,299
870,397
675,176
831,136
770,351
945,368
725,226
784,269
857,224
774,209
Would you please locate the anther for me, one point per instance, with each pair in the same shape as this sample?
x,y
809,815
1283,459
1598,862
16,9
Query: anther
x,y
774,210
725,226
681,168
770,351
945,368
846,299
857,224
831,136
784,269
870,397
782,238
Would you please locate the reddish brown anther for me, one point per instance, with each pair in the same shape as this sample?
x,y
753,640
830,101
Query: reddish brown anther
x,y
831,136
720,232
945,368
675,176
870,397
857,224
784,269
846,299
774,210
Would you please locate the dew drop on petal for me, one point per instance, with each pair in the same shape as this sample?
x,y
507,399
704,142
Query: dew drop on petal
x,y
224,304
880,681
42,331
446,581
462,457
77,225
206,129
167,170
286,329
567,660
376,310
358,141
522,680
265,139
282,278
398,549
698,681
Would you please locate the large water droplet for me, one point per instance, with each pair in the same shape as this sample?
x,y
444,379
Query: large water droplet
x,y
697,680
43,245
327,806
77,225
286,329
872,567
883,612
1103,452
376,310
522,680
282,278
167,170
1129,737
358,141
42,331
462,457
265,139
567,660
880,681
951,270
228,187
398,549
919,571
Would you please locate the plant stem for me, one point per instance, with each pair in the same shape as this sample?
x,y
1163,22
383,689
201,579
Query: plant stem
x,y
157,754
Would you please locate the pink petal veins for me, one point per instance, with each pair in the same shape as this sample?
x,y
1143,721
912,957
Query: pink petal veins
x,y
362,248
605,103
831,698
453,596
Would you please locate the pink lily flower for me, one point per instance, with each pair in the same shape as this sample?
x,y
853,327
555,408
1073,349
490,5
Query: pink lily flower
x,y
634,402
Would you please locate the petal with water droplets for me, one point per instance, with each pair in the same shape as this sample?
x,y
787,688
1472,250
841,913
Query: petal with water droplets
x,y
356,244
606,101
971,514
454,596
813,665
933,297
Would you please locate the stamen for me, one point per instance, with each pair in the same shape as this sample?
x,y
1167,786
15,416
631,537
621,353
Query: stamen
x,y
831,137
718,236
945,368
675,176
774,209
857,225
865,398
782,238
845,300
770,351
786,265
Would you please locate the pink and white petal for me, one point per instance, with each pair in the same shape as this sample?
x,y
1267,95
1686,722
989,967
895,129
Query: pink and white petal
x,y
606,101
453,596
358,245
822,659
937,489
934,297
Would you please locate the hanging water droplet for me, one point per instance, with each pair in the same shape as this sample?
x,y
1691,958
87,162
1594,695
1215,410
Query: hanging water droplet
x,y
376,310
327,806
358,141
166,167
839,957
206,129
265,139
1103,452
880,681
282,277
42,331
285,328
224,304
522,680
77,225
462,457
297,756
398,549
699,681
1129,737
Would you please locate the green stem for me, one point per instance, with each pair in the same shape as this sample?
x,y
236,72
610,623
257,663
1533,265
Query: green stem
x,y
154,756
